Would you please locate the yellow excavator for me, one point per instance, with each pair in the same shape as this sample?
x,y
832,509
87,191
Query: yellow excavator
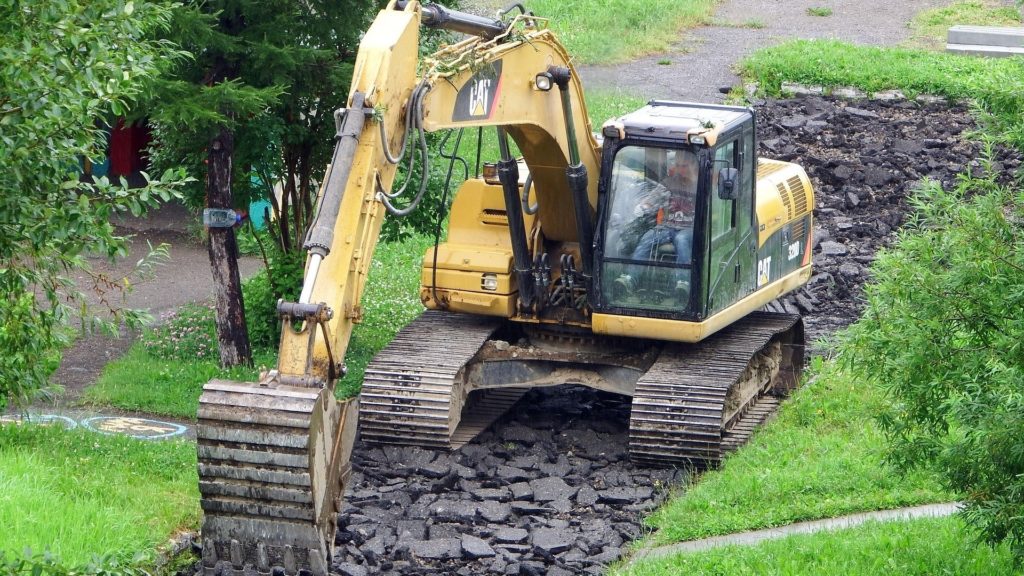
x,y
634,261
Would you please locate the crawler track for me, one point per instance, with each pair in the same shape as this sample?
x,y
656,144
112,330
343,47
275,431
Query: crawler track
x,y
684,407
413,392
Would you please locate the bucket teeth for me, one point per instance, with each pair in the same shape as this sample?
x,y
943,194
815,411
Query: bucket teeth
x,y
267,491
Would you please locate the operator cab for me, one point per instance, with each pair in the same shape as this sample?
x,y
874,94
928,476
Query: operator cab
x,y
676,211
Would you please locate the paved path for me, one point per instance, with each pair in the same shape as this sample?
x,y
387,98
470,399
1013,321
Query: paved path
x,y
757,536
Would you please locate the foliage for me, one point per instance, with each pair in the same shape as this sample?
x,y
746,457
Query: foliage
x,y
66,68
822,456
80,495
942,335
281,278
918,547
279,70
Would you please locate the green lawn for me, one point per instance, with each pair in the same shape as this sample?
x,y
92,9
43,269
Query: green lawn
x,y
80,494
820,457
923,547
141,382
929,28
616,31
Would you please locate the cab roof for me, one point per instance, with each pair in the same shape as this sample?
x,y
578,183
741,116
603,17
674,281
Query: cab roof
x,y
663,119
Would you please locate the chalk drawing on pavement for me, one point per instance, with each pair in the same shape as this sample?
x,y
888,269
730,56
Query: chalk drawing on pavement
x,y
141,428
42,419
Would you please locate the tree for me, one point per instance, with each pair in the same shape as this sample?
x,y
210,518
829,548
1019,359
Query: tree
x,y
65,67
943,334
254,108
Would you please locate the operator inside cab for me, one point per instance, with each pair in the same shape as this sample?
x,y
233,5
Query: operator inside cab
x,y
649,237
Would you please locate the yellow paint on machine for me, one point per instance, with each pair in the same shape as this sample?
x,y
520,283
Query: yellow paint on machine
x,y
784,194
682,331
468,302
464,280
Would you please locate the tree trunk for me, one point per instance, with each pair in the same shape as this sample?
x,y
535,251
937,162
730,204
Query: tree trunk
x,y
232,334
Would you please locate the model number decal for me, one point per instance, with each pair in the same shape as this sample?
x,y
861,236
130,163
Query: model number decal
x,y
794,250
764,267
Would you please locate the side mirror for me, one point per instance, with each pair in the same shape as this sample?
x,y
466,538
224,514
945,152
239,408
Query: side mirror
x,y
728,180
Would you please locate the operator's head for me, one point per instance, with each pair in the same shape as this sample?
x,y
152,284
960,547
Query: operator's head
x,y
683,168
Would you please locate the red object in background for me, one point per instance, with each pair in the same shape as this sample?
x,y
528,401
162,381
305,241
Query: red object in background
x,y
120,149
127,148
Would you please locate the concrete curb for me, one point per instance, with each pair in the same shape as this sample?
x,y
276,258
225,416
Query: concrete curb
x,y
754,537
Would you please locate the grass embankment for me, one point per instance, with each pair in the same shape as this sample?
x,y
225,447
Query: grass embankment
x,y
929,28
80,494
918,547
821,457
995,84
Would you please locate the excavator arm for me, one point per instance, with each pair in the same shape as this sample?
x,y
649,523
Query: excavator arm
x,y
274,455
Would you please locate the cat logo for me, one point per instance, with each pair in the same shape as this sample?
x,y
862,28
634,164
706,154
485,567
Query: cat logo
x,y
477,97
764,268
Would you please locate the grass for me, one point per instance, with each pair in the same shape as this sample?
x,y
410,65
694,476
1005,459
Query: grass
x,y
142,382
929,28
821,11
80,494
821,457
918,547
834,63
620,30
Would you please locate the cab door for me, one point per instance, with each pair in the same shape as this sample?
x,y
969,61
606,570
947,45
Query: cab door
x,y
730,222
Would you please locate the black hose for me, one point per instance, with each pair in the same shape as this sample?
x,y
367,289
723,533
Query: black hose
x,y
415,103
395,159
384,197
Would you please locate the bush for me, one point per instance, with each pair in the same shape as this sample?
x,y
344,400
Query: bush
x,y
281,278
943,334
31,344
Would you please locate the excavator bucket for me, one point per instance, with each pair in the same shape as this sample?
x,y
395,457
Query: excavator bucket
x,y
273,462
